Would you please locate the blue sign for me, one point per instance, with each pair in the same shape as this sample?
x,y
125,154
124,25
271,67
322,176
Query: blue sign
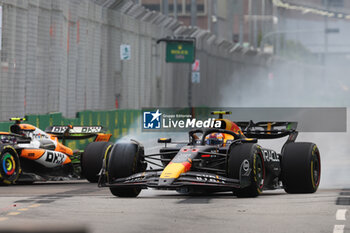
x,y
152,120
196,77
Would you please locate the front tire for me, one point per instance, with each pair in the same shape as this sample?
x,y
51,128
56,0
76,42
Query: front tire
x,y
10,167
301,167
247,156
91,161
125,160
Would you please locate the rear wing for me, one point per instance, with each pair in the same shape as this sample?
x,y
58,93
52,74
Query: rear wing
x,y
78,132
267,130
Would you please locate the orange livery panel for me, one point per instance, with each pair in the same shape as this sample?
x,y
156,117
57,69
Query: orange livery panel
x,y
103,137
32,154
64,149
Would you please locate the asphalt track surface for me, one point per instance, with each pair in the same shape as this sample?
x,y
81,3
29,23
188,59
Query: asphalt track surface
x,y
78,206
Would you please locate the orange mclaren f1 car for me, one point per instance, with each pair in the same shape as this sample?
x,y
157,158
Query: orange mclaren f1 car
x,y
29,154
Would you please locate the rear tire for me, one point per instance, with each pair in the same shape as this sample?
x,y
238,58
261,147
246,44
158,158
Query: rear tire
x,y
250,154
125,160
91,161
10,167
301,167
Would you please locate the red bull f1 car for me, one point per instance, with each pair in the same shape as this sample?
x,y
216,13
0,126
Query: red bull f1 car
x,y
222,159
29,154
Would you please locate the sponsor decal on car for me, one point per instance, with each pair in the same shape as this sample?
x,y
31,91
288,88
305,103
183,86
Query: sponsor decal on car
x,y
270,156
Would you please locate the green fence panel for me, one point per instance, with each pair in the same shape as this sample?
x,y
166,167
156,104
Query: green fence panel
x,y
44,121
102,118
117,124
55,118
5,126
84,117
110,124
31,119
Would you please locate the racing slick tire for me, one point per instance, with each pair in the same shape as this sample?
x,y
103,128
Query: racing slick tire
x,y
300,167
125,159
251,155
91,161
10,167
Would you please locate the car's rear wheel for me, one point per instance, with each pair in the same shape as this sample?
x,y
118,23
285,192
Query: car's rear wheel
x,y
10,167
247,158
301,167
91,161
125,159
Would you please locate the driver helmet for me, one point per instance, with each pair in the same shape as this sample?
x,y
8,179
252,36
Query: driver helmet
x,y
214,139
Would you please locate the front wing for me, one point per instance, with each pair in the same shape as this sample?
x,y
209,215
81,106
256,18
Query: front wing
x,y
193,179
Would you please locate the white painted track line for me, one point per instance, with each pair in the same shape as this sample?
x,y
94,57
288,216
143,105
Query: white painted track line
x,y
13,213
338,229
341,214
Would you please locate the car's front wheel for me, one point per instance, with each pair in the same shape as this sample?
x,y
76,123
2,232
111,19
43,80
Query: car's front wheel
x,y
247,158
125,159
91,161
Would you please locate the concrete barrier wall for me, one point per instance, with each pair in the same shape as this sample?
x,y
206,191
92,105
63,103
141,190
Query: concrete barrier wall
x,y
64,56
